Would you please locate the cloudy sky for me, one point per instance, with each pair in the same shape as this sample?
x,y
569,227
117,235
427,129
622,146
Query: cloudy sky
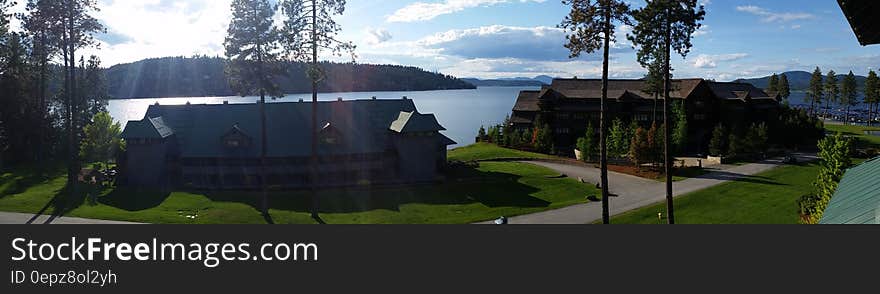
x,y
511,38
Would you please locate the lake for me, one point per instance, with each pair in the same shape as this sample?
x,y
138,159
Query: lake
x,y
462,112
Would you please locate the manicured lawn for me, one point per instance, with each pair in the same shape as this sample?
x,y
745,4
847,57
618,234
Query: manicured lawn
x,y
486,151
489,191
767,198
859,132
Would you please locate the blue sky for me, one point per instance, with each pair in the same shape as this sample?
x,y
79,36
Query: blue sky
x,y
513,38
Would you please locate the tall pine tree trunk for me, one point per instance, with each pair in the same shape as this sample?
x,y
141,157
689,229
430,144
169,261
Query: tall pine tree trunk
x,y
264,141
603,124
313,163
667,157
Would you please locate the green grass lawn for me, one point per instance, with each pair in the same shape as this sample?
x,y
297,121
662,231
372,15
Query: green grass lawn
x,y
487,151
492,190
767,198
865,140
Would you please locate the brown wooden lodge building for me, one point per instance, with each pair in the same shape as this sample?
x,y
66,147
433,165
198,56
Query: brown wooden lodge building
x,y
568,105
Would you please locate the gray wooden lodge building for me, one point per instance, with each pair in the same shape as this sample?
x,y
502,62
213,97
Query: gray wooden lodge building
x,y
567,105
377,141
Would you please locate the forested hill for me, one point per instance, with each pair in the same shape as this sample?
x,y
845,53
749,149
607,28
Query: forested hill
x,y
204,76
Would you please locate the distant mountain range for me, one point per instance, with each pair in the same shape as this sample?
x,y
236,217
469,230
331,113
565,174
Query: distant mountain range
x,y
205,76
511,82
799,80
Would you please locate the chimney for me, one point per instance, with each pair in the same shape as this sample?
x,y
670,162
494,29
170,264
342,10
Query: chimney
x,y
300,100
339,99
374,97
404,98
225,102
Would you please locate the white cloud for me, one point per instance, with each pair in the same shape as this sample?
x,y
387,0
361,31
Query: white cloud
x,y
704,30
376,36
770,16
153,28
711,61
422,11
498,41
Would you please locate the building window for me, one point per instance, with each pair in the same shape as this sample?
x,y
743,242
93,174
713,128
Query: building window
x,y
641,117
233,143
700,116
579,116
563,130
563,116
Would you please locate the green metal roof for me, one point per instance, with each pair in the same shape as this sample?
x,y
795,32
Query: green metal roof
x,y
149,128
363,125
857,200
411,122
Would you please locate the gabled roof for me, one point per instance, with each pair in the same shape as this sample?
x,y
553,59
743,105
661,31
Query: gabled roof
x,y
592,88
527,101
857,200
412,122
739,91
148,128
363,123
446,141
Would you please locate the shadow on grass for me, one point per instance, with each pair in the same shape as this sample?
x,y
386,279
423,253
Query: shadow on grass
x,y
134,200
19,180
464,186
734,177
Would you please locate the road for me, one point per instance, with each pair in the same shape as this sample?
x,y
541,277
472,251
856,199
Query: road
x,y
630,192
8,218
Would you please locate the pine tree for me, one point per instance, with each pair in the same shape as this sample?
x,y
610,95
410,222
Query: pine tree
x,y
832,91
718,143
308,29
848,94
590,25
251,46
773,85
618,139
665,26
816,90
784,87
872,95
680,134
587,144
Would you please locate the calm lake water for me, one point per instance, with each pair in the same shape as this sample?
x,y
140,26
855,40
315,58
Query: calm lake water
x,y
462,112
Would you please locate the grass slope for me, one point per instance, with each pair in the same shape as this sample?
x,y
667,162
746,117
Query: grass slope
x,y
766,198
472,194
487,151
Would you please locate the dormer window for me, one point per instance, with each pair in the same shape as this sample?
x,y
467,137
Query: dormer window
x,y
236,138
329,135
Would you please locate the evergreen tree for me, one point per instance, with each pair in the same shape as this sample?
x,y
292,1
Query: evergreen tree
x,y
482,136
544,139
587,144
848,94
251,46
773,85
590,25
832,91
665,26
816,90
618,140
718,143
784,87
872,95
309,28
680,133
639,150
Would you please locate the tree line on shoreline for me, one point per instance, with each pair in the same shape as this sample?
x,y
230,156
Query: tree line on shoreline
x,y
200,76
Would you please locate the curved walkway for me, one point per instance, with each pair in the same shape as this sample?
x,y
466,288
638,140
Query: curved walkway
x,y
8,218
630,192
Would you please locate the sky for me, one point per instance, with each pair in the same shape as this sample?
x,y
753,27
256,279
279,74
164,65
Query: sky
x,y
511,38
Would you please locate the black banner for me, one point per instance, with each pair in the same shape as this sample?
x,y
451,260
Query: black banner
x,y
445,259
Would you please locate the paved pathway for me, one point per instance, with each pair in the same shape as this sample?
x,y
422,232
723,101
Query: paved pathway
x,y
630,192
8,218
